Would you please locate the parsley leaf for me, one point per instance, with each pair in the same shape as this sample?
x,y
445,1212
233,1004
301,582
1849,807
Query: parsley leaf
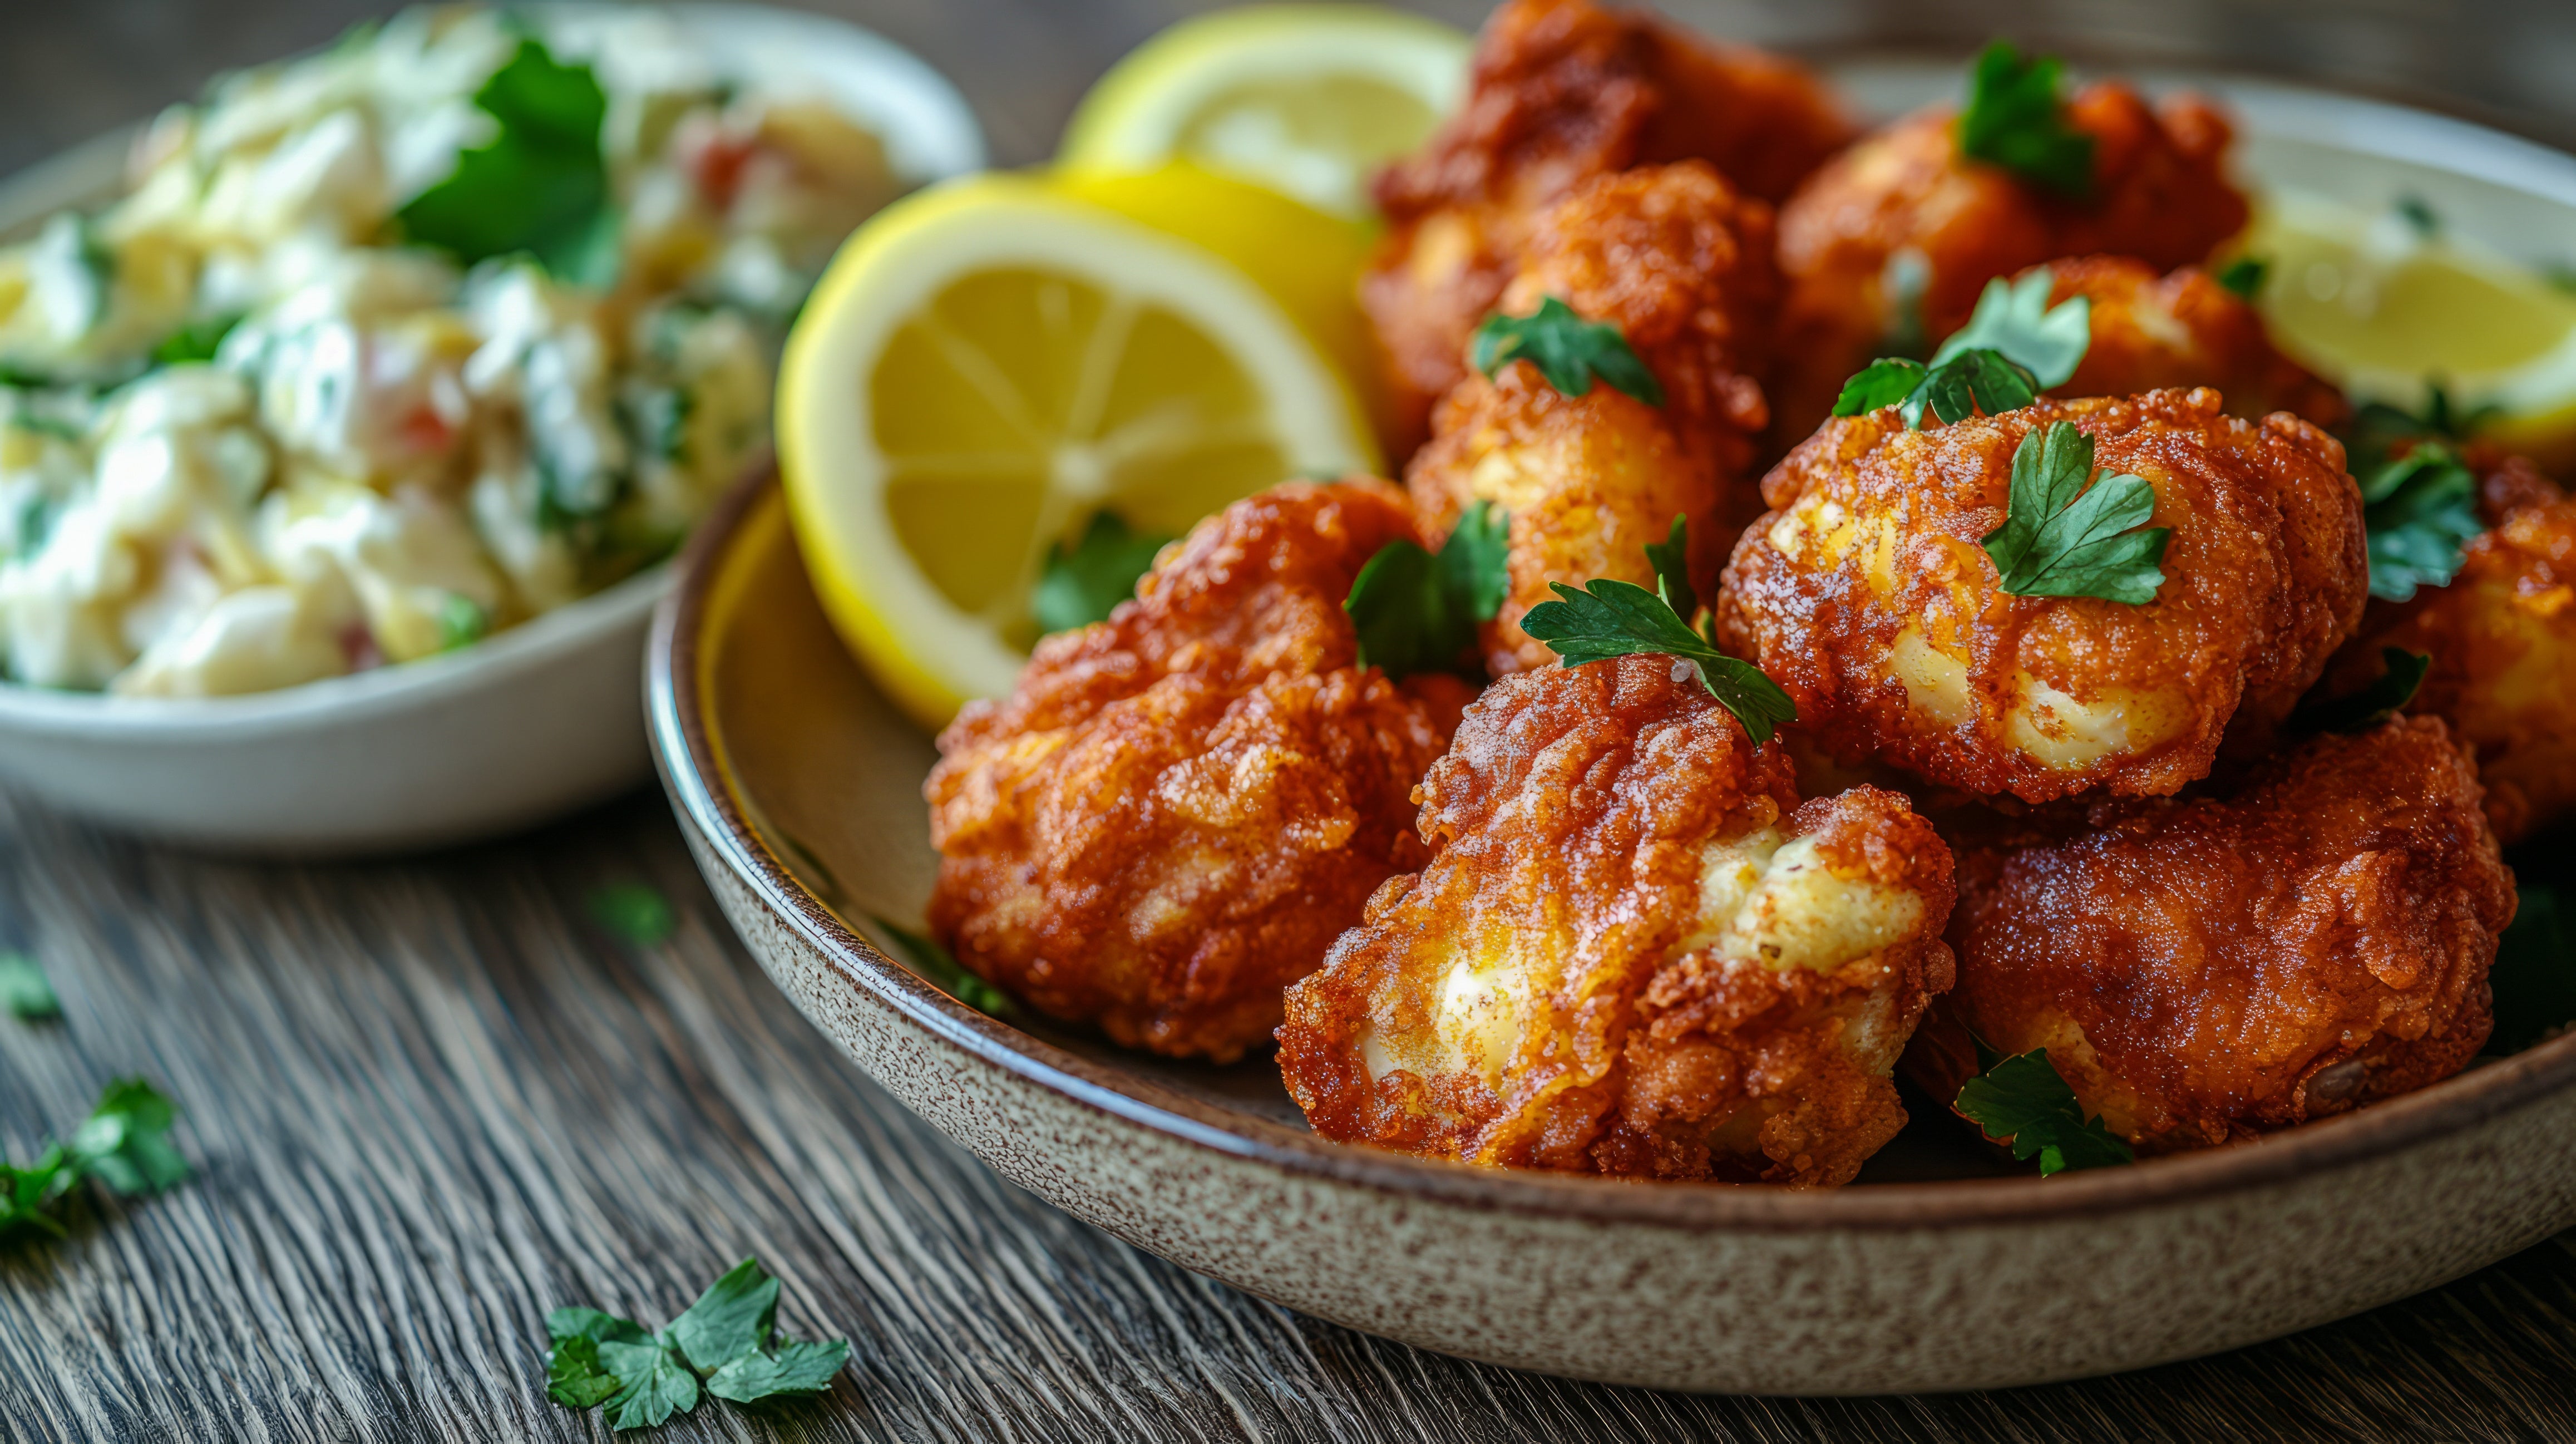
x,y
2534,976
2245,276
2419,216
2015,120
2015,319
461,622
804,1367
2024,1102
1085,580
122,1144
731,1318
1966,383
1417,612
1671,560
1615,618
724,1338
24,991
2418,511
944,971
2068,535
198,340
540,186
635,914
1567,350
2372,705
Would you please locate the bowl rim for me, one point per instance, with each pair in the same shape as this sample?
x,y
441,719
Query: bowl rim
x,y
704,796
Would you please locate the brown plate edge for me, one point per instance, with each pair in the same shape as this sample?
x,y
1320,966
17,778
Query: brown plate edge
x,y
692,777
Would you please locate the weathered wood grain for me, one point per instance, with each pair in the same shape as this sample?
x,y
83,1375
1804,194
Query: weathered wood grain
x,y
430,1102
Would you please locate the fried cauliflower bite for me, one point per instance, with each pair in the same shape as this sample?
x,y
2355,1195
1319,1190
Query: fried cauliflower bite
x,y
2202,971
1902,231
1564,91
1681,264
1179,808
2179,330
2502,638
1632,951
1866,594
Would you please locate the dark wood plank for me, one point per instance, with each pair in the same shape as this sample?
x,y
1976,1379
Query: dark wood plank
x,y
430,1102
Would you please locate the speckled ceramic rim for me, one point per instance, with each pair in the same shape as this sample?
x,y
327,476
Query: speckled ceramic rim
x,y
693,773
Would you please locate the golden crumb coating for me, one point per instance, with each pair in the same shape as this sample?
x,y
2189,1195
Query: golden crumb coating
x,y
1177,810
1901,231
2502,637
1564,91
2179,330
2202,971
1865,592
1632,951
1682,265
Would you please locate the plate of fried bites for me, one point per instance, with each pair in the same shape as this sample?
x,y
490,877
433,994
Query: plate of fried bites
x,y
1949,850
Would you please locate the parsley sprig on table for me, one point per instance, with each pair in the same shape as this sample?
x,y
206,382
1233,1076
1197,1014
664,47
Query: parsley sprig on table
x,y
1567,350
1416,611
540,186
2016,120
725,1342
634,913
1085,580
25,993
1615,619
2022,1101
124,1145
2372,705
2068,534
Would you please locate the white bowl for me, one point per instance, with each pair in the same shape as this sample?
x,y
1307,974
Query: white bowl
x,y
525,726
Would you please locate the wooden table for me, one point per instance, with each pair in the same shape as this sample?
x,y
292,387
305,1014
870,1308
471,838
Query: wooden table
x,y
429,1101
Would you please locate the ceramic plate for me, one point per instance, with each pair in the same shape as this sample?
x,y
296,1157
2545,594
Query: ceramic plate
x,y
532,723
798,787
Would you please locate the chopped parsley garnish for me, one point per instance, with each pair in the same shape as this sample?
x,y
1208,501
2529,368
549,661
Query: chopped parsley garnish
x,y
2245,276
1963,385
540,186
2023,1101
461,622
2418,511
25,992
124,1145
2419,216
943,970
1086,580
636,915
2066,534
1567,350
2534,975
1418,612
2016,120
2372,705
2014,318
198,340
727,1339
1614,619
1671,560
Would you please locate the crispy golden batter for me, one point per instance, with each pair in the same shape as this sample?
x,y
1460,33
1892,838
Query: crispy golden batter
x,y
1865,593
1179,808
2201,971
2181,330
1562,92
1903,206
1632,951
2502,637
1682,265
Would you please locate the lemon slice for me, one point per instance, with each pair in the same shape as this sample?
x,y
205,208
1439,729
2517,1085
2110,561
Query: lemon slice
x,y
1307,99
988,364
2377,306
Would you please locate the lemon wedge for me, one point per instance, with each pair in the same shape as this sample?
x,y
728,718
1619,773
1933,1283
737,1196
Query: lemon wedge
x,y
990,363
2384,307
1307,99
